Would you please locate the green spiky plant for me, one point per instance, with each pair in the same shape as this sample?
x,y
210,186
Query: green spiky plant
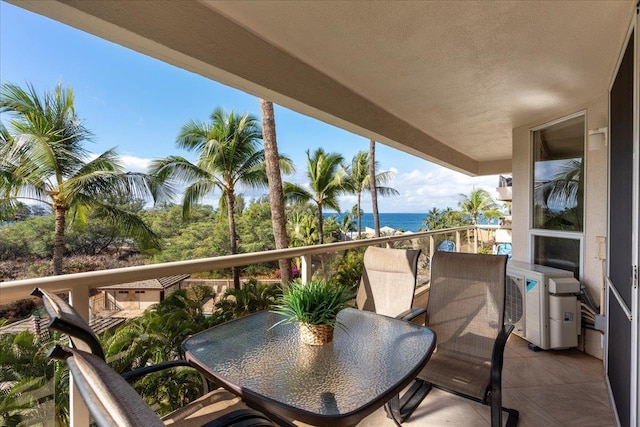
x,y
315,303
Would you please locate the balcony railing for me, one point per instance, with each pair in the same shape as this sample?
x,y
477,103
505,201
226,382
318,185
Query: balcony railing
x,y
78,284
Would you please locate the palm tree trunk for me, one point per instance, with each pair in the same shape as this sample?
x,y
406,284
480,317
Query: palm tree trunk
x,y
372,184
232,235
359,216
58,245
323,264
320,224
274,178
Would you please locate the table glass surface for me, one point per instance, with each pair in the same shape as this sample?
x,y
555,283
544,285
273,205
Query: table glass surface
x,y
366,359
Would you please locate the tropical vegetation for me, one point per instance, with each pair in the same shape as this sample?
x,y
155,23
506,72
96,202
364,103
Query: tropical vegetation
x,y
229,154
38,388
43,159
29,381
358,181
479,203
327,180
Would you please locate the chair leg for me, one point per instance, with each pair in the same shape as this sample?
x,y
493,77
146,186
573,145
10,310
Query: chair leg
x,y
496,410
495,401
496,415
401,408
512,419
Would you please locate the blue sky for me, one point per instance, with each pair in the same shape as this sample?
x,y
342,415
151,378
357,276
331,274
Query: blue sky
x,y
138,104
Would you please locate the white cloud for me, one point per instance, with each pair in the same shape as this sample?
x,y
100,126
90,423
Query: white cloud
x,y
421,190
129,162
135,164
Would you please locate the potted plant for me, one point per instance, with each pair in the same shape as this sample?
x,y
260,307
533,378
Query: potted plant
x,y
314,306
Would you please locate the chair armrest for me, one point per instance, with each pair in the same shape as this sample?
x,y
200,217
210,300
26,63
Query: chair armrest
x,y
141,372
411,314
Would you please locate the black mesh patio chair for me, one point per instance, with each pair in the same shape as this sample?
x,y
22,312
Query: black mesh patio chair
x,y
466,311
388,282
212,404
113,402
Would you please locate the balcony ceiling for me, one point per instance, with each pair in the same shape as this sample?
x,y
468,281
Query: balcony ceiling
x,y
446,81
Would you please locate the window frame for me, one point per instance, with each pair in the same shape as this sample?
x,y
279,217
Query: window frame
x,y
534,232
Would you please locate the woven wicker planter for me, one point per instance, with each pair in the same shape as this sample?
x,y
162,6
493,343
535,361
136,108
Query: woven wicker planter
x,y
316,334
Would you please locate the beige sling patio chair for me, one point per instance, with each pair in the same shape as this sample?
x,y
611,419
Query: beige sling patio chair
x,y
466,311
213,405
388,282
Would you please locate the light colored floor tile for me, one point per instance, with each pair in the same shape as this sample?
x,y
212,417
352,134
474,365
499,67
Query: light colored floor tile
x,y
527,372
531,415
569,404
521,347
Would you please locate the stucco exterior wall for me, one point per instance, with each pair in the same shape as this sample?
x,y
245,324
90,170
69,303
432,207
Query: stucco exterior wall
x,y
137,301
595,197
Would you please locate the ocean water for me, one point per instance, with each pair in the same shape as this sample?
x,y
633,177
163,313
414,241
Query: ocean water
x,y
400,221
397,221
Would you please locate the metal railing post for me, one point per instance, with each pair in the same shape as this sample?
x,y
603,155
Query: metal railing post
x,y
432,247
305,266
78,412
475,239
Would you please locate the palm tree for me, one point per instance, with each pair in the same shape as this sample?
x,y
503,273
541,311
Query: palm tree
x,y
372,186
302,229
19,403
253,297
433,220
31,382
346,224
478,202
42,159
276,194
327,181
229,154
358,180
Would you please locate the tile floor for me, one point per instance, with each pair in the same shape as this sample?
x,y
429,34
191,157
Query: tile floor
x,y
549,388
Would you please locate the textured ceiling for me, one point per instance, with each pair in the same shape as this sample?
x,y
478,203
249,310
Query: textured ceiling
x,y
444,80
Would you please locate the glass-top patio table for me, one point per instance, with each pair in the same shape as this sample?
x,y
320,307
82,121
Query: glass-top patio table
x,y
371,359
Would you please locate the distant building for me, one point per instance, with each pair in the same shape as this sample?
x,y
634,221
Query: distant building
x,y
140,295
38,325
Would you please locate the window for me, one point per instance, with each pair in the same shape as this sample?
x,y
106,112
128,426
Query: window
x,y
557,252
558,194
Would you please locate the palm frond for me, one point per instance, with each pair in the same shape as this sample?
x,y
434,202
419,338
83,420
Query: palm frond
x,y
129,223
296,193
195,192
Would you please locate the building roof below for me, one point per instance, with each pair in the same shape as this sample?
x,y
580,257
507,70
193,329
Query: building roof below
x,y
152,284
